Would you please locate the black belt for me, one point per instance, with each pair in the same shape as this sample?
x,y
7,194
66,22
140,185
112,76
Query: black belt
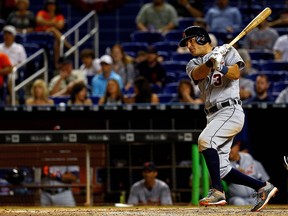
x,y
214,108
55,190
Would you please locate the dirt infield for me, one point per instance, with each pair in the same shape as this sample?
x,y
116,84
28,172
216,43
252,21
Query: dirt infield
x,y
144,211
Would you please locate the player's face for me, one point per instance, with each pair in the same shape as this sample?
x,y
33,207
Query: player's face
x,y
194,48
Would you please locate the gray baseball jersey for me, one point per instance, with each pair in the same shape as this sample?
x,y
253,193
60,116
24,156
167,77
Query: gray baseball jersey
x,y
159,194
224,124
240,194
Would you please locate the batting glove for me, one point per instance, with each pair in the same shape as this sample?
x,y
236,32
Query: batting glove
x,y
222,49
217,58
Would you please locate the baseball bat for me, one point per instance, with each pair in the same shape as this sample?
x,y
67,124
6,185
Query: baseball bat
x,y
253,24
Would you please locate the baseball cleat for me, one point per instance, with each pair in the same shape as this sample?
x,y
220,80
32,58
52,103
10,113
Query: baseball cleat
x,y
263,196
214,197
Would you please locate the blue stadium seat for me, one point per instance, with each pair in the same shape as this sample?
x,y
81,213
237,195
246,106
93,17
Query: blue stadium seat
x,y
173,35
274,66
181,56
60,99
171,77
165,98
167,46
174,65
185,22
134,46
94,99
279,86
148,37
261,55
170,88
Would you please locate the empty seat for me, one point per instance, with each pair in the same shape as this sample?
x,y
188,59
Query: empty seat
x,y
148,37
165,98
173,35
181,56
261,55
279,86
174,65
274,66
185,22
60,99
134,46
167,46
170,88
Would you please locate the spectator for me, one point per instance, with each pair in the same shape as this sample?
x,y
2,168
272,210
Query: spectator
x,y
79,95
152,69
39,94
6,68
99,81
50,19
62,83
281,20
186,8
143,92
246,85
261,38
148,18
7,7
245,163
57,176
185,93
22,19
150,190
16,51
200,22
113,94
283,96
90,64
123,65
280,48
262,90
223,17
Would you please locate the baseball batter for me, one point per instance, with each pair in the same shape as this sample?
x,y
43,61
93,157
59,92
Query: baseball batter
x,y
216,70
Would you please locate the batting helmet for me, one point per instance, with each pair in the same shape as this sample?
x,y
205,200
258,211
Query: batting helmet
x,y
201,35
15,176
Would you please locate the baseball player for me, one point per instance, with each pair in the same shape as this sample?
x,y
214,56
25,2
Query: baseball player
x,y
150,190
216,71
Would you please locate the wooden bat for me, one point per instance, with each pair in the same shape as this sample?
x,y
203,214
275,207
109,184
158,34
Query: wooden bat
x,y
253,24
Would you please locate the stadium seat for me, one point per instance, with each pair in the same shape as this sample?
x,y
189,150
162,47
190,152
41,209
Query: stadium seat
x,y
273,66
60,99
181,56
279,86
261,55
173,35
165,98
185,22
148,37
174,65
167,46
134,46
170,88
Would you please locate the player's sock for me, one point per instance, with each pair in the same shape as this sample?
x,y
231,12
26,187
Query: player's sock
x,y
237,177
213,164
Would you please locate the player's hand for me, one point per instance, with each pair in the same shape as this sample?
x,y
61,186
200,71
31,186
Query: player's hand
x,y
222,49
217,59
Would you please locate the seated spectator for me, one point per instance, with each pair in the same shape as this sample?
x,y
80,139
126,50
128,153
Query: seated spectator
x,y
262,90
50,19
283,96
90,64
113,94
186,8
223,18
152,69
244,162
99,81
185,93
200,22
79,95
143,92
16,51
39,94
61,84
280,48
6,68
150,190
7,7
22,19
148,18
262,37
123,65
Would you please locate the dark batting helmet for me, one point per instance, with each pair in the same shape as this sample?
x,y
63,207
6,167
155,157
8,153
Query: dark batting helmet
x,y
201,35
15,176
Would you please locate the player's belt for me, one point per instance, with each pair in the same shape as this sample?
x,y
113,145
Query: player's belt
x,y
55,190
215,108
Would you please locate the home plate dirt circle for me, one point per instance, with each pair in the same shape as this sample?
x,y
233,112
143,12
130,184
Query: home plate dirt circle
x,y
270,210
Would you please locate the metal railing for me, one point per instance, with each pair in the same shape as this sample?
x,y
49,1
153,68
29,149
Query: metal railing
x,y
91,19
43,70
